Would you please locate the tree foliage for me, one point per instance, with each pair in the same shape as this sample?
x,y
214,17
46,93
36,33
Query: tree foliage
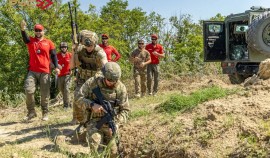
x,y
182,38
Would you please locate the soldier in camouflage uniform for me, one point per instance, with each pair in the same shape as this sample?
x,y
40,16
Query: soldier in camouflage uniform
x,y
140,58
89,58
114,91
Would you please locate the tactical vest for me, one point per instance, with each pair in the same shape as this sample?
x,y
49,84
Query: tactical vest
x,y
110,95
90,63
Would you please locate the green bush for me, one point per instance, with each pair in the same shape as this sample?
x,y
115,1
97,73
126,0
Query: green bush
x,y
185,102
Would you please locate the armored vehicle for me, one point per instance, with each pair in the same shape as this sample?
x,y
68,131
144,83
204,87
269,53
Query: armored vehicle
x,y
240,42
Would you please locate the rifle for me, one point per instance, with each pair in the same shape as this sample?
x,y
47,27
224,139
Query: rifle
x,y
74,26
74,29
108,117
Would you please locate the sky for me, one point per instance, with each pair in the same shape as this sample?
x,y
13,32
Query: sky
x,y
198,9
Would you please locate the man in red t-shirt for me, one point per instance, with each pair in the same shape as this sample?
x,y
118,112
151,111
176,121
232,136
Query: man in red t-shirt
x,y
109,50
63,81
156,52
41,50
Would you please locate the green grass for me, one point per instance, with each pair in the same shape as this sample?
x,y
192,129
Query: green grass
x,y
139,113
182,103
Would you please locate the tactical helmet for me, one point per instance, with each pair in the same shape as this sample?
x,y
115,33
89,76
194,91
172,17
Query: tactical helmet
x,y
111,71
88,38
63,44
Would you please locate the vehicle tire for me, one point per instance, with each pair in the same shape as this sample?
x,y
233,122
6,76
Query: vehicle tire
x,y
236,78
258,34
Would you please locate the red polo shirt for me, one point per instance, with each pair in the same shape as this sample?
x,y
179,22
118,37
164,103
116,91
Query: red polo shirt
x,y
110,50
63,61
151,48
39,54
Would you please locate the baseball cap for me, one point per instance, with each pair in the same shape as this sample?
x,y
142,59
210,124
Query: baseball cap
x,y
39,27
154,36
104,36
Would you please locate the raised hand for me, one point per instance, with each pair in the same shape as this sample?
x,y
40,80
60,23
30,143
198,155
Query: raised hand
x,y
23,25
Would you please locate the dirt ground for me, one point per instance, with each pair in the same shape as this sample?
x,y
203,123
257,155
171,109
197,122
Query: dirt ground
x,y
235,126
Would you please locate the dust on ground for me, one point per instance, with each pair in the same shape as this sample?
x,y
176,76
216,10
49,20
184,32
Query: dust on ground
x,y
235,126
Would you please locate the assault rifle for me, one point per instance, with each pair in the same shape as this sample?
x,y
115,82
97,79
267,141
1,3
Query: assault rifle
x,y
74,29
108,117
74,26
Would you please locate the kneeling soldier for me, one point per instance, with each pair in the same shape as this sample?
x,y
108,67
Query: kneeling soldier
x,y
106,100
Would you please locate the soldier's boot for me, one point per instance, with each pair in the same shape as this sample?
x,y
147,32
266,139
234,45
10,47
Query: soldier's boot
x,y
30,115
74,121
45,116
143,95
66,107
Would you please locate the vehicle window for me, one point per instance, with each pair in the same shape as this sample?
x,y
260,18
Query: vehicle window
x,y
214,28
241,28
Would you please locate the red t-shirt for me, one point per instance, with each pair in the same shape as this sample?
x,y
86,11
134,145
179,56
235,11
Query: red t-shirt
x,y
151,48
63,61
109,50
39,54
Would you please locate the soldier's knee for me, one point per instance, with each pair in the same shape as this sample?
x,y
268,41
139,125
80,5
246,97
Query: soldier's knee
x,y
96,138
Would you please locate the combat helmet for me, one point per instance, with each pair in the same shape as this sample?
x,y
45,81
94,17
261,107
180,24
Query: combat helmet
x,y
111,71
88,38
63,44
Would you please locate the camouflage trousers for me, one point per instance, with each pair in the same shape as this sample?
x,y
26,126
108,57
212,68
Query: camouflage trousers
x,y
79,113
140,80
152,74
100,139
63,83
30,85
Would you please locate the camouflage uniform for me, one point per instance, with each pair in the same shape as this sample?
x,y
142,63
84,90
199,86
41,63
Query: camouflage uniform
x,y
90,66
117,96
139,73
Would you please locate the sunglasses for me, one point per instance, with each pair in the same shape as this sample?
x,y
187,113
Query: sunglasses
x,y
38,30
110,80
153,39
104,38
141,43
63,47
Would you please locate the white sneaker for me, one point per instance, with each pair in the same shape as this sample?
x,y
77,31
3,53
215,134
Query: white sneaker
x,y
30,116
45,117
137,95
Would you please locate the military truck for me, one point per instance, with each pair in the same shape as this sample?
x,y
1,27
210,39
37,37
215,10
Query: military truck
x,y
240,42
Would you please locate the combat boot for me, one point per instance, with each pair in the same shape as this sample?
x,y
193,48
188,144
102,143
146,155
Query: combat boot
x,y
30,115
74,121
143,95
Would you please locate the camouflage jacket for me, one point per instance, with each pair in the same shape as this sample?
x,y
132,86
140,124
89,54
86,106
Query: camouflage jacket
x,y
90,63
143,56
118,92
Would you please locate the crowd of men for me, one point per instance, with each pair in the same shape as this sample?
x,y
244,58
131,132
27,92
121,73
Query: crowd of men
x,y
99,94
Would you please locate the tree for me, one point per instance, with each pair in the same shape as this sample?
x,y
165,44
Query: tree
x,y
187,45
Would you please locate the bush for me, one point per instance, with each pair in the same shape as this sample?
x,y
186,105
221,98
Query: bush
x,y
182,102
